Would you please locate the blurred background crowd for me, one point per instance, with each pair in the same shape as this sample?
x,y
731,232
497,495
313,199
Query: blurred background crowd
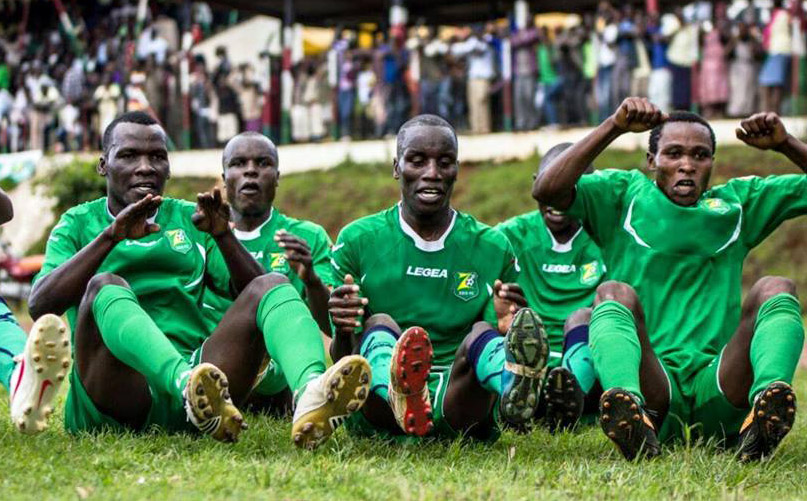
x,y
66,72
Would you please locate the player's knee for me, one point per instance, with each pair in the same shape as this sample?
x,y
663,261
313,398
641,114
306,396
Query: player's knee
x,y
578,317
381,320
100,280
617,291
478,329
264,283
767,287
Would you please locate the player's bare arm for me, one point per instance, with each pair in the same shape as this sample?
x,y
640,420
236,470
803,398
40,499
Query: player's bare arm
x,y
555,185
66,284
507,300
346,309
765,131
6,209
298,255
213,216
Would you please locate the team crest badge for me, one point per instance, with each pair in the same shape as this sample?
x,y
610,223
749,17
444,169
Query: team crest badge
x,y
178,241
278,262
716,205
590,273
466,285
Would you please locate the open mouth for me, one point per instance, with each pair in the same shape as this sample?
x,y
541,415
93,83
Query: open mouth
x,y
250,188
684,187
430,195
145,186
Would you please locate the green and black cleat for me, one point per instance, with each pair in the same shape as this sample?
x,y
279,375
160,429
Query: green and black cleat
x,y
768,422
563,400
526,352
626,423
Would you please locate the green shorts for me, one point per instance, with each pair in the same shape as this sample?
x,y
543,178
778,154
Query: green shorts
x,y
438,382
698,404
167,411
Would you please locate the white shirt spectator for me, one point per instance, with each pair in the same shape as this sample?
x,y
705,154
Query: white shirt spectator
x,y
606,55
481,63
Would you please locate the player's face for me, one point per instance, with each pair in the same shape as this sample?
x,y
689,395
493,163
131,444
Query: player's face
x,y
556,221
136,164
250,175
683,163
427,169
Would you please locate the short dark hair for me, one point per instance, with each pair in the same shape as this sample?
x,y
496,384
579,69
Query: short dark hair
x,y
553,153
679,116
130,117
246,135
421,120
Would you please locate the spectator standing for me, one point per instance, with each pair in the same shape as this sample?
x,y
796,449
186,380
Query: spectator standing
x,y
250,98
365,82
481,71
745,52
525,77
5,73
229,111
202,107
432,72
777,40
626,58
659,87
107,96
682,54
45,99
551,86
607,33
714,74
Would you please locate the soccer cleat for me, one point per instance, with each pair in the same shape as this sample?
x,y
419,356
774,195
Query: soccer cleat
x,y
626,423
39,372
768,422
328,400
409,377
563,399
208,404
526,350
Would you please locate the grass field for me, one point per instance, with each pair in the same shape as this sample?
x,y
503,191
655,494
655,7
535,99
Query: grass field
x,y
264,464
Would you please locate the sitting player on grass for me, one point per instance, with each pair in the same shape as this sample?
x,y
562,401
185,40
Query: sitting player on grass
x,y
32,367
561,267
434,291
300,250
130,270
671,341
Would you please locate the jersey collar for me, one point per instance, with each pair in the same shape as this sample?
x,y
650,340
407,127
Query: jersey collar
x,y
252,235
420,243
149,220
562,248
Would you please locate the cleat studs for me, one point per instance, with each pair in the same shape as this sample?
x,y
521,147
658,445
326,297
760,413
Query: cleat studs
x,y
37,358
60,377
214,376
785,428
775,419
352,406
208,413
634,407
65,363
225,394
334,382
605,418
776,391
298,437
202,403
51,344
51,358
637,417
626,398
200,390
331,396
611,434
308,427
789,398
619,395
762,402
347,370
40,369
62,330
791,411
36,342
28,411
65,343
365,378
362,393
761,414
224,383
606,405
623,424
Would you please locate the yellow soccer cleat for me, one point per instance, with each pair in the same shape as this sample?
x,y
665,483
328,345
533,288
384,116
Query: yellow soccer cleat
x,y
328,400
39,373
208,404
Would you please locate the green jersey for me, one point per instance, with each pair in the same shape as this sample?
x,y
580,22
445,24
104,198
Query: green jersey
x,y
443,286
556,278
166,270
685,263
261,244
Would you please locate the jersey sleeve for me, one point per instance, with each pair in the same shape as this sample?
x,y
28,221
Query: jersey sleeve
x,y
508,273
321,257
62,245
768,202
344,259
598,202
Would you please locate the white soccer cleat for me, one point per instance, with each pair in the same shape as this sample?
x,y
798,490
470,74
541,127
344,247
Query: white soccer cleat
x,y
329,399
208,405
39,373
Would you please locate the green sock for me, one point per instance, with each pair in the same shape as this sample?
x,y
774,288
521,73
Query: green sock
x,y
291,335
134,339
615,347
12,343
577,357
377,347
777,342
486,355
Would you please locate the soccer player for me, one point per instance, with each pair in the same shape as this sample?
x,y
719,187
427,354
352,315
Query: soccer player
x,y
433,290
561,267
672,344
130,269
299,250
32,367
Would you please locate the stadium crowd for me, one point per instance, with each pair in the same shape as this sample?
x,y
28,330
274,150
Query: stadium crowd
x,y
58,94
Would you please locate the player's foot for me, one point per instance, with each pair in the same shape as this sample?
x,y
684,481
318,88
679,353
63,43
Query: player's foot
x,y
208,404
409,377
563,399
39,372
768,422
627,424
328,400
526,350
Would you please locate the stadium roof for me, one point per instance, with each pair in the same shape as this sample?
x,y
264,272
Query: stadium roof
x,y
333,12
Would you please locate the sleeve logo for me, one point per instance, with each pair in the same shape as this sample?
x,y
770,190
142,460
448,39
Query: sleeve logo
x,y
178,241
466,285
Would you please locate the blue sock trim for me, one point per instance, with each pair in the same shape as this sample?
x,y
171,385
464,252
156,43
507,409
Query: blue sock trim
x,y
577,335
377,328
495,374
475,350
6,352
